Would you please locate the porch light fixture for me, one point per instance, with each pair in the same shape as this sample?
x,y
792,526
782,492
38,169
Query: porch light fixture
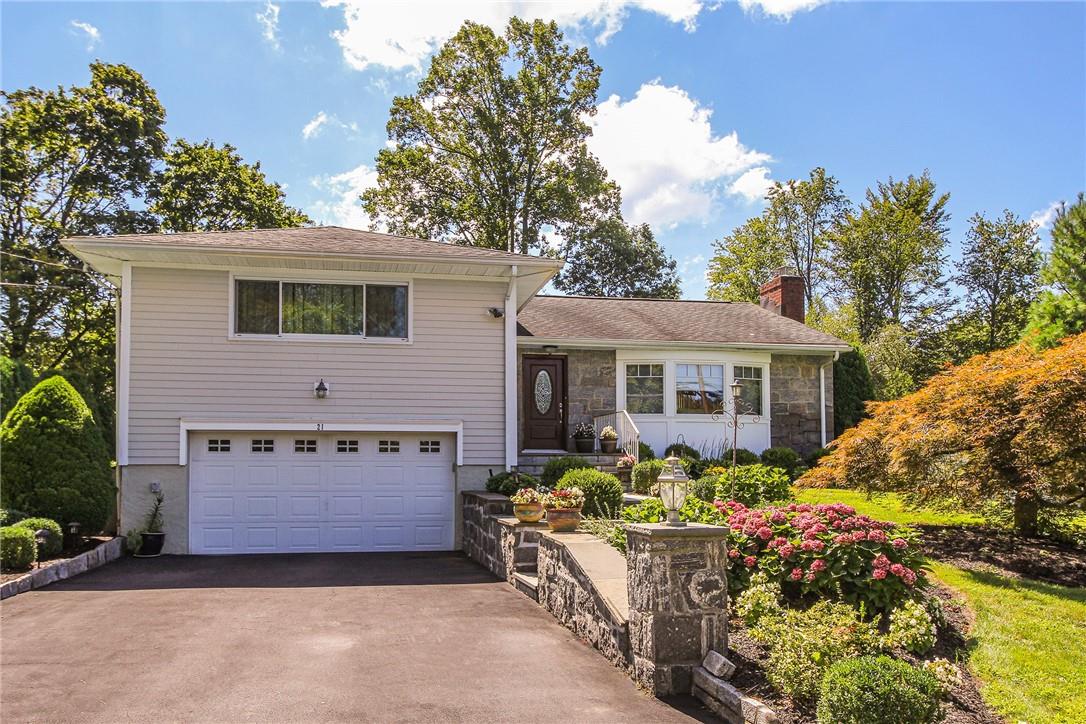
x,y
496,312
674,487
550,348
320,389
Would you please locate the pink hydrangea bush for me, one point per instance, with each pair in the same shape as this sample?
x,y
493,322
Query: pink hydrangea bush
x,y
824,551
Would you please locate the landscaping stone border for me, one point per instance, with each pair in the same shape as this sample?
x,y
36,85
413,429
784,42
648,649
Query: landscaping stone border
x,y
111,550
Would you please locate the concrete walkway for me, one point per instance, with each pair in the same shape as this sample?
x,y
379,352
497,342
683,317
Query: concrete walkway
x,y
322,637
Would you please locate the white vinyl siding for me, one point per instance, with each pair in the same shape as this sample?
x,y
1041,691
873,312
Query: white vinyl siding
x,y
184,365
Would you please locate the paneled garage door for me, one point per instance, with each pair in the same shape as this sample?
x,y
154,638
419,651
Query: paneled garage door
x,y
276,492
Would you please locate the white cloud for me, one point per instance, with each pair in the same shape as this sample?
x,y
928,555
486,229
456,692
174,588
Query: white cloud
x,y
401,35
269,23
322,119
780,8
1043,219
660,148
342,206
87,31
752,185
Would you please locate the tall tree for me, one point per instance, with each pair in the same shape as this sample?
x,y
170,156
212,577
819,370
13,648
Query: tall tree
x,y
744,260
617,260
805,214
491,150
999,272
1060,311
204,188
73,161
888,258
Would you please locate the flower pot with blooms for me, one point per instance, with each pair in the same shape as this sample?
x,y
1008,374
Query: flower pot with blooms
x,y
527,505
608,439
564,509
584,438
625,469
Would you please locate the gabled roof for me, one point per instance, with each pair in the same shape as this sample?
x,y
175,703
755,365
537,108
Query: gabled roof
x,y
638,321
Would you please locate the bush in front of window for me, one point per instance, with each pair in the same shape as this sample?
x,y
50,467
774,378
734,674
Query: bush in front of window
x,y
555,469
645,451
754,485
55,461
17,548
54,543
644,474
506,483
681,450
786,459
602,491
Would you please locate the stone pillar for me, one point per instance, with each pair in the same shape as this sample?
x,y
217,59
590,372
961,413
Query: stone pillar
x,y
678,588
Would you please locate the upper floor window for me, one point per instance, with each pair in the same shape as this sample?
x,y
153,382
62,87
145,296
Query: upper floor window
x,y
751,396
645,389
699,389
348,310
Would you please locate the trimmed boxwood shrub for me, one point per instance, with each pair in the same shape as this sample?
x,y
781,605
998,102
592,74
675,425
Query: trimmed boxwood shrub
x,y
506,484
555,469
742,457
55,543
878,690
784,458
704,488
644,474
55,461
680,450
17,548
816,455
602,491
645,451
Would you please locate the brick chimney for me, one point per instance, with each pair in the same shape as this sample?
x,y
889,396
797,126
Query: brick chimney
x,y
783,294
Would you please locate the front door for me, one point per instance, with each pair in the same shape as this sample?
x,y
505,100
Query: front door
x,y
544,403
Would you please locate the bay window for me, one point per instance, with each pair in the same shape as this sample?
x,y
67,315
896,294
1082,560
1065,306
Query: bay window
x,y
284,308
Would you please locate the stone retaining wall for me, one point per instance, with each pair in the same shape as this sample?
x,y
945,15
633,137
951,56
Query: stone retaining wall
x,y
571,597
496,539
106,552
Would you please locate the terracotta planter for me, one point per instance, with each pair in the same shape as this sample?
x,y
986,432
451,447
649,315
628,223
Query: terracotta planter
x,y
584,444
608,446
563,520
528,512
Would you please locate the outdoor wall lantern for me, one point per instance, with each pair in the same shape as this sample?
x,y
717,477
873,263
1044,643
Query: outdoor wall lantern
x,y
320,389
674,486
550,348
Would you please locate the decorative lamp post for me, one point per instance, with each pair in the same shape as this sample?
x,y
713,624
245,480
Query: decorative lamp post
x,y
732,419
674,486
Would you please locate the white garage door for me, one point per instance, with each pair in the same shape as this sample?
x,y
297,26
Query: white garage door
x,y
276,492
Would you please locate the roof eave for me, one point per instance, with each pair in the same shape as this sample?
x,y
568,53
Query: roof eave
x,y
584,343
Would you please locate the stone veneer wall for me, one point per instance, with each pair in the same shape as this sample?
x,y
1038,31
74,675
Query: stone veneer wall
x,y
495,539
590,377
569,594
794,393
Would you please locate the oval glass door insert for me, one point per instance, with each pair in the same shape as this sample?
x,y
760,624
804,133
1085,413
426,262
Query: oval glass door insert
x,y
544,391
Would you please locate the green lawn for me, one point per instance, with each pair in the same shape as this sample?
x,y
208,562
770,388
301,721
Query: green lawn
x,y
885,506
1029,644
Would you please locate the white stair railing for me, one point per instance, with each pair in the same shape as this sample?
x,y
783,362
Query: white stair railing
x,y
629,437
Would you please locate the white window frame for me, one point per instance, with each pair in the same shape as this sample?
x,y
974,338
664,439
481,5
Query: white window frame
x,y
233,334
663,363
675,385
730,372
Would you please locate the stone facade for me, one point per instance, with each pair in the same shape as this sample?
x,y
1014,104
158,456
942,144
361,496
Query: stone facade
x,y
573,598
678,593
590,378
794,395
494,538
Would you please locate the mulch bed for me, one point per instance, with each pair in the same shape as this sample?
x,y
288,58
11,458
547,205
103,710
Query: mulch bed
x,y
1000,551
964,707
89,543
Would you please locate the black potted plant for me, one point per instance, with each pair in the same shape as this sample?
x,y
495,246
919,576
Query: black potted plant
x,y
151,537
584,438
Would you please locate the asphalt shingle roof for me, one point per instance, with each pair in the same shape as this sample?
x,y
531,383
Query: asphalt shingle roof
x,y
664,320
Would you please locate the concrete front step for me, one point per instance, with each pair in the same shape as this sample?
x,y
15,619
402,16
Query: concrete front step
x,y
528,584
544,458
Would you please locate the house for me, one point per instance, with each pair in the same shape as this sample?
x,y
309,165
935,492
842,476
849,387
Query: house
x,y
326,389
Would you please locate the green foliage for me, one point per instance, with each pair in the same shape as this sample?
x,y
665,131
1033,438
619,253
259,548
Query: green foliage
x,y
556,468
878,690
602,491
742,457
55,462
154,522
912,628
643,475
16,379
744,260
754,485
491,149
852,388
803,644
54,544
507,483
617,260
10,516
760,600
18,550
784,458
681,450
704,488
611,532
205,188
652,511
892,359
816,455
645,451
1060,311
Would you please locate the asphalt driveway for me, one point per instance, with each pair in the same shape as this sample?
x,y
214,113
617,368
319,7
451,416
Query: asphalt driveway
x,y
336,637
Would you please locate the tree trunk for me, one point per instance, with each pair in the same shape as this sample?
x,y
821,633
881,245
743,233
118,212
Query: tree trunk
x,y
1026,508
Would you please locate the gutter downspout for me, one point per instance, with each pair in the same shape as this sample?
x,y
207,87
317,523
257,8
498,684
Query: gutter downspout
x,y
511,369
822,395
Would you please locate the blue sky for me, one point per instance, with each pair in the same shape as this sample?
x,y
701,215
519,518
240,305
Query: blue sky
x,y
700,102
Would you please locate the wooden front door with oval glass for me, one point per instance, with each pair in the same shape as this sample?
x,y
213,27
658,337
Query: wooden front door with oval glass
x,y
544,403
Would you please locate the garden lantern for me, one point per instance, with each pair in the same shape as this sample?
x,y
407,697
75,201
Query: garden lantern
x,y
41,537
737,390
674,486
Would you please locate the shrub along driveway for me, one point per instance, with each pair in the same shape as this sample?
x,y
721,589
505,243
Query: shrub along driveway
x,y
386,637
